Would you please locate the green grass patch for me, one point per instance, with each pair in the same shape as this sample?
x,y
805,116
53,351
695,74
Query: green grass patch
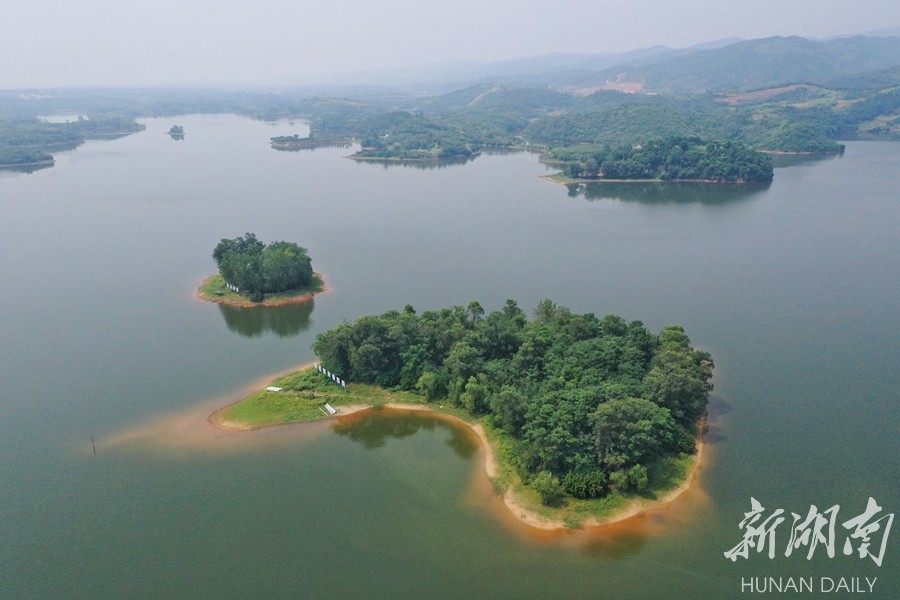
x,y
215,290
301,398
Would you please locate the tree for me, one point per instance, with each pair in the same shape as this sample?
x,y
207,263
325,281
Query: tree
x,y
545,311
431,386
463,361
631,431
548,487
473,397
509,407
242,245
475,311
285,266
679,379
415,361
586,483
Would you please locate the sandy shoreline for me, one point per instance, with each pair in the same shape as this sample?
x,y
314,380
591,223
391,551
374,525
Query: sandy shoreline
x,y
521,513
243,303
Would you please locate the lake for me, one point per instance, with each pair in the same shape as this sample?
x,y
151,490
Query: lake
x,y
793,287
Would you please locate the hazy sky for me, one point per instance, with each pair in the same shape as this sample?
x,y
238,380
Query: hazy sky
x,y
46,43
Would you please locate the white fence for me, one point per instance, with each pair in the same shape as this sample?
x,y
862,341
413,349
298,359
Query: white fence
x,y
331,375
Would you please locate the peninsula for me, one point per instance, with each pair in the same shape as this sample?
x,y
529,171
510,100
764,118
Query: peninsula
x,y
15,158
584,419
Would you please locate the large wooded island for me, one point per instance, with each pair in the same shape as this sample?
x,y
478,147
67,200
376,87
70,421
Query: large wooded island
x,y
584,415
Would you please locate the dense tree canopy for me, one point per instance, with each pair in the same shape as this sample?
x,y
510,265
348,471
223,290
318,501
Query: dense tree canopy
x,y
589,401
23,156
259,269
673,158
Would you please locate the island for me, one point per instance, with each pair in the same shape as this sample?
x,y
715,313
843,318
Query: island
x,y
585,419
252,273
669,159
294,142
176,132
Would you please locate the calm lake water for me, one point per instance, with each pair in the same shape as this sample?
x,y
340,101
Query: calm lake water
x,y
794,288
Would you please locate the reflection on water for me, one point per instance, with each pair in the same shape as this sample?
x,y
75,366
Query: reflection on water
x,y
616,547
799,160
313,145
421,164
373,428
283,321
682,192
16,170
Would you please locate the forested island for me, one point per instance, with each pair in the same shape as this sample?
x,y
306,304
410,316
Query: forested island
x,y
295,142
669,159
584,413
252,272
176,132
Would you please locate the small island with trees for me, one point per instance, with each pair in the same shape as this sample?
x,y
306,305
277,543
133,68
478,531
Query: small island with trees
x,y
176,132
252,273
585,417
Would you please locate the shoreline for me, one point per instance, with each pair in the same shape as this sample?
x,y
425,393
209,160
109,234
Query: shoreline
x,y
515,507
802,152
42,163
242,302
395,159
569,181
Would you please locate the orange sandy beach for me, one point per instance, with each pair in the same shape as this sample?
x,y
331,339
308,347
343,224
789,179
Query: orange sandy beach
x,y
526,516
202,428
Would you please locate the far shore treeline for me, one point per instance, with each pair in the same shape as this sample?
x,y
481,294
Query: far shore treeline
x,y
588,402
259,269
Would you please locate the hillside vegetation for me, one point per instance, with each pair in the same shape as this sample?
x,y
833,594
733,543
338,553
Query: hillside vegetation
x,y
786,94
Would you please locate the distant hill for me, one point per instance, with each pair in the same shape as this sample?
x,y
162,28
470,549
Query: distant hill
x,y
868,81
534,70
527,102
752,64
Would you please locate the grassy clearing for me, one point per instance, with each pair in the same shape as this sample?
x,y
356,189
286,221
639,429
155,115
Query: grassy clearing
x,y
215,290
303,393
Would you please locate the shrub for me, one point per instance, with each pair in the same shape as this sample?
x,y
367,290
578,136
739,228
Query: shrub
x,y
586,484
548,487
